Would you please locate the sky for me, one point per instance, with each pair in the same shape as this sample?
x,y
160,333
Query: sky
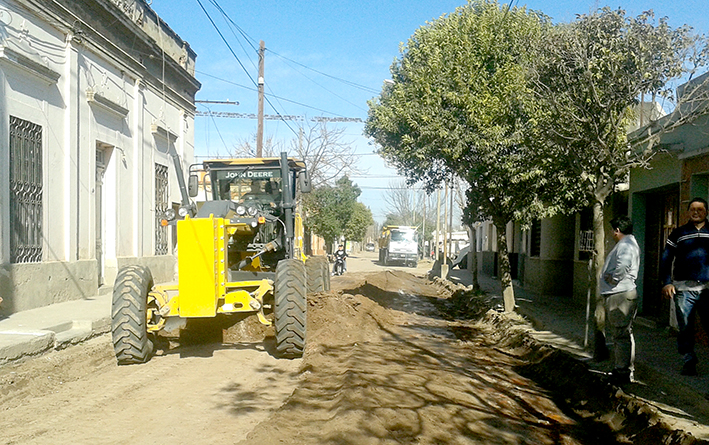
x,y
328,58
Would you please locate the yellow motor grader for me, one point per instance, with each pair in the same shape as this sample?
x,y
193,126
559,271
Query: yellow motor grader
x,y
239,251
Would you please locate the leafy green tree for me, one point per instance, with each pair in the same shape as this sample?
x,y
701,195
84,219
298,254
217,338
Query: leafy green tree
x,y
321,221
592,73
331,208
458,105
360,220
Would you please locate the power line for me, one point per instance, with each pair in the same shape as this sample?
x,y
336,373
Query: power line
x,y
225,42
289,117
249,39
321,86
347,82
271,95
237,59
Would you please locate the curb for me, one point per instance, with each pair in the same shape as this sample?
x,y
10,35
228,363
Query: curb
x,y
17,344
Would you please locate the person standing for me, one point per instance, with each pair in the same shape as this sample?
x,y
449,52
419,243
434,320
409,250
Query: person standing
x,y
619,293
684,270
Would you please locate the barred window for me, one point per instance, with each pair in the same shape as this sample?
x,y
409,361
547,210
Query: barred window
x,y
161,200
586,241
25,191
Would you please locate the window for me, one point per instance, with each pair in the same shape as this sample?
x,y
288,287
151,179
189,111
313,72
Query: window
x,y
585,240
161,205
25,191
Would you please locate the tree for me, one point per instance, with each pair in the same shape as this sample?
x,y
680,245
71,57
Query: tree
x,y
332,208
323,150
328,157
326,154
591,76
458,107
246,148
360,220
406,205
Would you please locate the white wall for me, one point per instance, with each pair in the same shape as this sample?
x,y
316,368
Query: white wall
x,y
51,86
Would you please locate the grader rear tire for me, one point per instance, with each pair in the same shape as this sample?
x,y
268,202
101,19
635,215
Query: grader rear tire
x,y
290,308
313,270
129,324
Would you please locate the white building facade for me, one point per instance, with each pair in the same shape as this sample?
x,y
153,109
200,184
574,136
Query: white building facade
x,y
93,93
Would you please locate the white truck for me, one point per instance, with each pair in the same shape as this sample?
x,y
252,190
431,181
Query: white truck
x,y
399,244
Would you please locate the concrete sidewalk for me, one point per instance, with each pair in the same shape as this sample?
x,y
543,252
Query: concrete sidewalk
x,y
38,330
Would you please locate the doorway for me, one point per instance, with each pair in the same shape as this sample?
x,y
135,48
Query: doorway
x,y
102,153
661,217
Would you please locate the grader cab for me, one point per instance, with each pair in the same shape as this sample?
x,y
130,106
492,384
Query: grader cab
x,y
239,252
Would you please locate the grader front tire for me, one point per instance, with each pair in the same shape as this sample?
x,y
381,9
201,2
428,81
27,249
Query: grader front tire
x,y
290,308
129,324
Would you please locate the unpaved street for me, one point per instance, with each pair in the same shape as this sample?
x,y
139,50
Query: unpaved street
x,y
381,367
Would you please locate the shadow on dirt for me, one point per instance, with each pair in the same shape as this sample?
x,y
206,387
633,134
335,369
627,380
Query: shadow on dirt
x,y
202,337
596,411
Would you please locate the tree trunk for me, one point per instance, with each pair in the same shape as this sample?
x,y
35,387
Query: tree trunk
x,y
508,293
599,255
307,238
473,257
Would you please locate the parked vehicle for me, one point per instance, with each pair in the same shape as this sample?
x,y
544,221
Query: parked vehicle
x,y
370,247
399,244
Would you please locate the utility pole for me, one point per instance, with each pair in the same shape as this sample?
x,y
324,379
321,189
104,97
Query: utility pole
x,y
450,216
438,221
423,231
445,227
259,131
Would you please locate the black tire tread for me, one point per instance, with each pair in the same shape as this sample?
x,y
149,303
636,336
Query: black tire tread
x,y
290,309
131,341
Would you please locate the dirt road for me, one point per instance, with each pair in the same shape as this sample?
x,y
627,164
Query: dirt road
x,y
381,367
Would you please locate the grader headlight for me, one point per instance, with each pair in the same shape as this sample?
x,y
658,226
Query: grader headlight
x,y
241,210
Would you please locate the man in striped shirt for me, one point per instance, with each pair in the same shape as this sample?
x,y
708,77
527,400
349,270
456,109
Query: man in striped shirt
x,y
685,274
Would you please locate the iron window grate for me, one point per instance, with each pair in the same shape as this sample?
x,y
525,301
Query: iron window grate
x,y
25,191
161,203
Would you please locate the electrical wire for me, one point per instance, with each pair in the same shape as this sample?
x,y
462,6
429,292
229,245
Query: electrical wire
x,y
242,65
250,39
226,43
217,128
331,92
347,82
271,95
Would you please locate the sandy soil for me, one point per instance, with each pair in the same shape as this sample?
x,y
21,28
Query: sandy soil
x,y
392,358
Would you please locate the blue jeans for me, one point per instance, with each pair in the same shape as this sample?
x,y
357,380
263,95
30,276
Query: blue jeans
x,y
688,303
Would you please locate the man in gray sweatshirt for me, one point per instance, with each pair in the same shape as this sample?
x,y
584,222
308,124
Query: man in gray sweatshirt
x,y
620,297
